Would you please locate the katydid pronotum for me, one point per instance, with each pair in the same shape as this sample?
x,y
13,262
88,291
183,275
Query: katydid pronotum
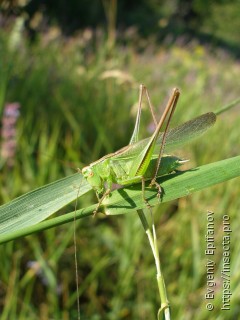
x,y
145,159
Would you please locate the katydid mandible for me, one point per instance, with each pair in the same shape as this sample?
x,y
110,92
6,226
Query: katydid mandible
x,y
145,159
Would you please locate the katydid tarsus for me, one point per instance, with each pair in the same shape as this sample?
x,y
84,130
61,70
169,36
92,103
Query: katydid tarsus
x,y
145,159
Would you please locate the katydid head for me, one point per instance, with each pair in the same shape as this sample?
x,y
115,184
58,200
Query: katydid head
x,y
93,178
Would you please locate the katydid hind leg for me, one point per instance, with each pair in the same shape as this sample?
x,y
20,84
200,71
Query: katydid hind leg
x,y
142,161
141,164
144,158
134,137
151,107
171,106
142,89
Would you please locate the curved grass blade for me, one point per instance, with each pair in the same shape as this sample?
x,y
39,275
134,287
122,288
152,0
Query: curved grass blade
x,y
129,199
35,206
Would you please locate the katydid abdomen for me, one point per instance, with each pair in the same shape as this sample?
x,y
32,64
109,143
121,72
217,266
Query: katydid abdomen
x,y
120,170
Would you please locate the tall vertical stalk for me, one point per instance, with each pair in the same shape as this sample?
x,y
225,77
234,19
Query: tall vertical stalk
x,y
110,8
164,309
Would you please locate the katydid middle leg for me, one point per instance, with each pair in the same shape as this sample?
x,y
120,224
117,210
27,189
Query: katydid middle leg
x,y
100,200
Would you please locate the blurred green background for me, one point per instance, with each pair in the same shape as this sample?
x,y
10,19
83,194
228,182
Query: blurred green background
x,y
75,68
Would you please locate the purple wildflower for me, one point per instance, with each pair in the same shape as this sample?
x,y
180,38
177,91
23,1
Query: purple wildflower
x,y
8,132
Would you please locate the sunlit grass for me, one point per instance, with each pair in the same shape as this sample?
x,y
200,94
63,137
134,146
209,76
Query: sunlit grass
x,y
72,111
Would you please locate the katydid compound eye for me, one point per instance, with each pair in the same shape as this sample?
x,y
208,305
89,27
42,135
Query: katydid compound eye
x,y
87,172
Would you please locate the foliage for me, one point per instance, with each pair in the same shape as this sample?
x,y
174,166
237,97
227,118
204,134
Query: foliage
x,y
77,104
196,18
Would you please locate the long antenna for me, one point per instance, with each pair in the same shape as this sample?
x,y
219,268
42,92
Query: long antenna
x,y
75,250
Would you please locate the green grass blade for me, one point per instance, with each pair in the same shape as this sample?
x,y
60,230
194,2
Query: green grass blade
x,y
174,186
129,199
227,107
37,205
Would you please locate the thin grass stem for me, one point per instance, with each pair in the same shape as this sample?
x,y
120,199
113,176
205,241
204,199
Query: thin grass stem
x,y
164,309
